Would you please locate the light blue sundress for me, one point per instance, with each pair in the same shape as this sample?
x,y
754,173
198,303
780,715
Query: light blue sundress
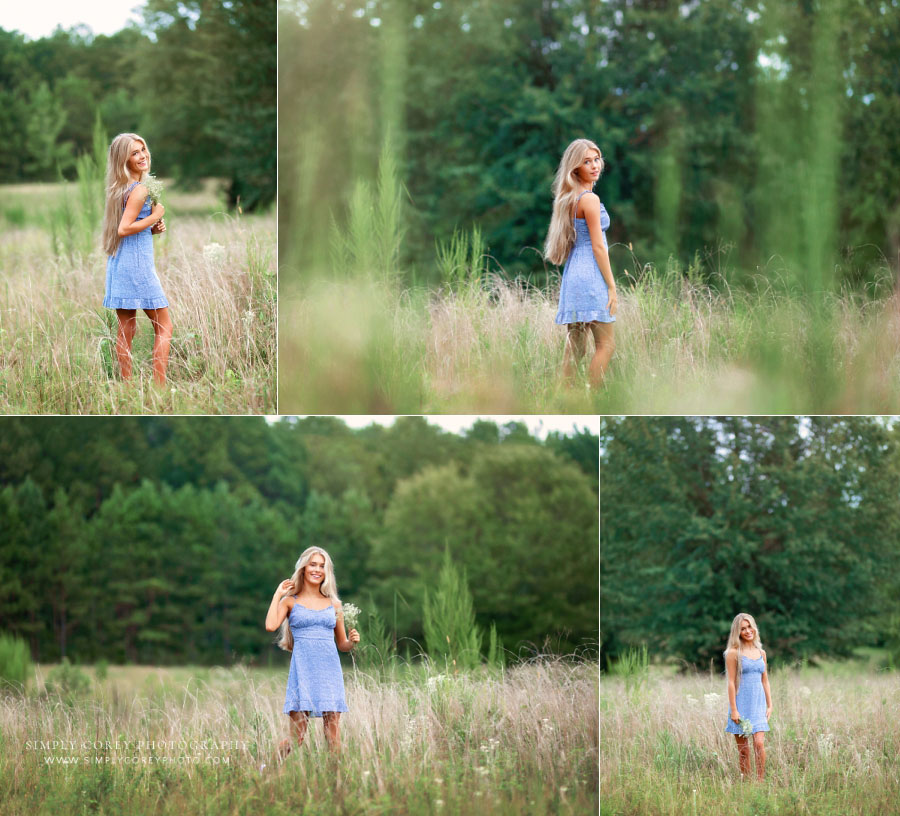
x,y
751,697
584,295
315,681
131,281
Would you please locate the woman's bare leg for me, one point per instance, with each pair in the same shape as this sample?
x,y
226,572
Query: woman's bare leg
x,y
759,748
299,719
743,755
332,722
162,330
124,337
604,346
576,340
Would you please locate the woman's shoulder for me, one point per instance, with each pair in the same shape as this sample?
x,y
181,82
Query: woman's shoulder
x,y
588,201
137,188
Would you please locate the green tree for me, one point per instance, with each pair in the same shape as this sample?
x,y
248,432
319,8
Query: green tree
x,y
782,517
45,122
451,635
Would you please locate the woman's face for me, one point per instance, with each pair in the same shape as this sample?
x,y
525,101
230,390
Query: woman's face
x,y
138,157
589,169
747,631
314,571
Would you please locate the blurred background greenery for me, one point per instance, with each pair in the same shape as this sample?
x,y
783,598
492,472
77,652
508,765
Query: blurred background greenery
x,y
755,137
195,78
161,540
793,520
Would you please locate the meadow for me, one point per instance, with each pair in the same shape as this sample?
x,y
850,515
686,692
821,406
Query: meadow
x,y
517,741
832,748
683,345
57,341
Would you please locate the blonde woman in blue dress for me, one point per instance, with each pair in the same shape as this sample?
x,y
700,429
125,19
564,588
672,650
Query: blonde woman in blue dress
x,y
577,237
130,221
749,695
307,609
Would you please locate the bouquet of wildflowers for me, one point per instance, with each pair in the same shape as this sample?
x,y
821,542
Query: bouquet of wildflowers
x,y
746,727
154,188
351,616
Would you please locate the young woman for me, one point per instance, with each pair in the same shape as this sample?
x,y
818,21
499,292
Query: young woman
x,y
577,237
749,695
129,222
307,608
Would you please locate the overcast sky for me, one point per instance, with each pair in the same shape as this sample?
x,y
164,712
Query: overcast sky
x,y
537,425
38,18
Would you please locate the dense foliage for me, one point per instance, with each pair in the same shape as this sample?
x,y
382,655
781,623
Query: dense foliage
x,y
196,79
162,540
766,128
792,520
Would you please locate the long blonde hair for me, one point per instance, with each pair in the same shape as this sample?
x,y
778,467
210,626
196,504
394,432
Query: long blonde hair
x,y
117,181
734,642
328,588
566,187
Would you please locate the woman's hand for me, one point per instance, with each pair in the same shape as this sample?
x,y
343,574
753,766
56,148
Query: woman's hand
x,y
286,586
768,711
613,301
158,211
158,227
736,718
353,637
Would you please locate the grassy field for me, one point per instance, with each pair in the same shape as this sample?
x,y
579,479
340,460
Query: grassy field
x,y
57,341
519,742
371,345
832,749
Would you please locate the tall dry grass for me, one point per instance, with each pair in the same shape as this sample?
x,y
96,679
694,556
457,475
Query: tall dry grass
x,y
57,341
682,346
521,741
833,747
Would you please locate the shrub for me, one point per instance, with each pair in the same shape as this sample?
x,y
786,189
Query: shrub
x,y
15,662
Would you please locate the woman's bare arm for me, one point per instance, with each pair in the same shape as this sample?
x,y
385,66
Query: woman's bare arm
x,y
280,606
590,205
344,643
128,225
765,685
731,664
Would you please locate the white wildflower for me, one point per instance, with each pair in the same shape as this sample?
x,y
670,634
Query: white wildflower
x,y
351,615
711,701
214,254
826,743
805,691
434,682
154,188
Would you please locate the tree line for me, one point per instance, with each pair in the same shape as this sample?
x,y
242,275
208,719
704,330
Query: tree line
x,y
161,540
794,520
758,136
195,78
